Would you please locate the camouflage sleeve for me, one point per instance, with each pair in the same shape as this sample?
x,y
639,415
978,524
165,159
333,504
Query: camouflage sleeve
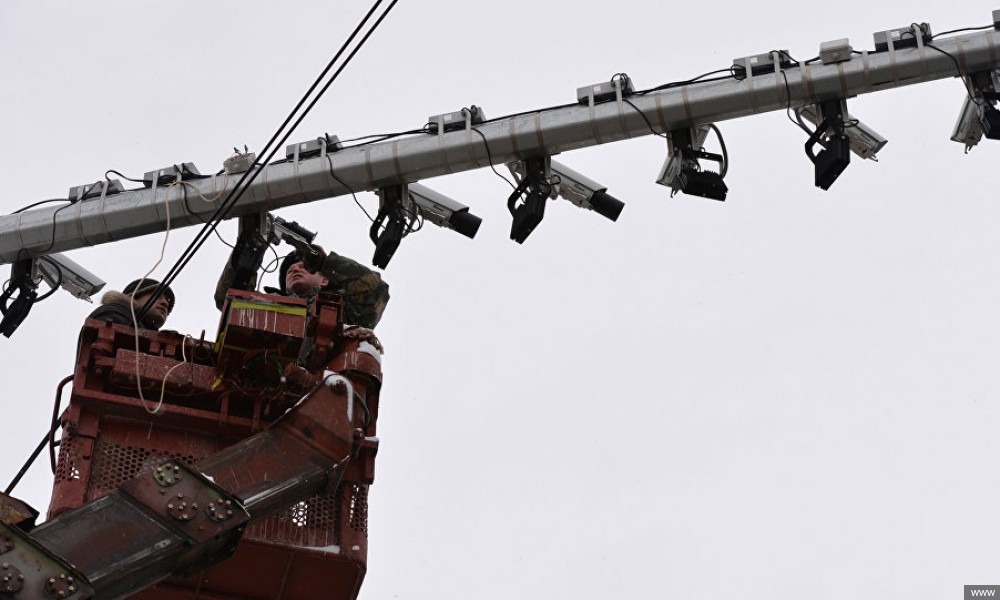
x,y
228,278
365,294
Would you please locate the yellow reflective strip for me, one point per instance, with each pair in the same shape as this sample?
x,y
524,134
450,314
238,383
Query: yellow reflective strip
x,y
298,311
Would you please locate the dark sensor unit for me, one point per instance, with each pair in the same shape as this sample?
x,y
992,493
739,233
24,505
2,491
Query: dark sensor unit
x,y
989,119
996,19
527,216
313,147
904,37
761,63
832,160
168,175
94,190
702,183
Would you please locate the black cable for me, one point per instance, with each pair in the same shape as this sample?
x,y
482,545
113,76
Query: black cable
x,y
415,222
122,176
788,106
268,268
381,137
27,464
958,68
237,191
56,285
187,207
529,112
40,203
489,157
54,214
641,114
252,173
329,161
725,153
689,81
961,30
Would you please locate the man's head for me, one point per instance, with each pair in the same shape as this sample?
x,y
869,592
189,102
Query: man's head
x,y
295,279
143,289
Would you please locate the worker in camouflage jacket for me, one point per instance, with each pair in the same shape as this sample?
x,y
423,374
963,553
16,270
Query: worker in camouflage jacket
x,y
308,271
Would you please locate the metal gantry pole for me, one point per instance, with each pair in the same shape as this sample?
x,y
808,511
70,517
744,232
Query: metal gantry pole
x,y
545,132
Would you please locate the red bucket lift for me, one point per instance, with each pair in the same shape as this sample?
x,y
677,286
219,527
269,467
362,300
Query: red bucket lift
x,y
199,399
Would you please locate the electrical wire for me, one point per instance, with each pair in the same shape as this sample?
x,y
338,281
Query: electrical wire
x,y
272,266
698,79
131,304
24,469
788,107
56,285
106,178
225,184
643,115
725,153
961,75
55,421
961,30
54,214
382,137
329,161
163,386
237,191
187,207
489,157
40,203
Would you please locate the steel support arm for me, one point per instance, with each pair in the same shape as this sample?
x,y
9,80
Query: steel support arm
x,y
177,520
545,132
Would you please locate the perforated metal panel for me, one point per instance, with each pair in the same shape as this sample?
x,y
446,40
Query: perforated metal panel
x,y
68,467
114,464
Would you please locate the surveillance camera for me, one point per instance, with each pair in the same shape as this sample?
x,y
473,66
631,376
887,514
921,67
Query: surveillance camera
x,y
674,164
865,141
968,129
56,269
584,192
443,211
575,187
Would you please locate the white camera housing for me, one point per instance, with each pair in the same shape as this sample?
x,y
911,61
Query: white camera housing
x,y
577,188
671,169
56,269
444,211
865,141
968,128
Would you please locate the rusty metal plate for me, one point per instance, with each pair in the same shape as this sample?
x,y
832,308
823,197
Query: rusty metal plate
x,y
184,378
16,512
190,500
29,572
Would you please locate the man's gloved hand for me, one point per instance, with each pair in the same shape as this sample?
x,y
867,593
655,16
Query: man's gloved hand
x,y
313,257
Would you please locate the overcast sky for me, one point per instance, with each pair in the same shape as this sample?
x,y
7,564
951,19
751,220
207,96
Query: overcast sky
x,y
790,394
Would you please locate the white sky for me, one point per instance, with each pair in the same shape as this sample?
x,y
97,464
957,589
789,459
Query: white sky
x,y
790,394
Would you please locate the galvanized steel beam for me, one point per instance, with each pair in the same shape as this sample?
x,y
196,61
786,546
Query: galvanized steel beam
x,y
545,132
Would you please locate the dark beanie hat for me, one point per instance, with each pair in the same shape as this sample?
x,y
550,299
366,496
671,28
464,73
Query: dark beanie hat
x,y
148,285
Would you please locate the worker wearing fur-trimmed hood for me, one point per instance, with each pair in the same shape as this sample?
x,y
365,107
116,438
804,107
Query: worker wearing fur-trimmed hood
x,y
116,306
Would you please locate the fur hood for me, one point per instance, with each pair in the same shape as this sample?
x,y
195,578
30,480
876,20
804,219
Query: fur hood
x,y
116,298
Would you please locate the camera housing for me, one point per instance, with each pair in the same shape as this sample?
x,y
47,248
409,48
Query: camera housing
x,y
865,141
444,211
584,192
57,269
